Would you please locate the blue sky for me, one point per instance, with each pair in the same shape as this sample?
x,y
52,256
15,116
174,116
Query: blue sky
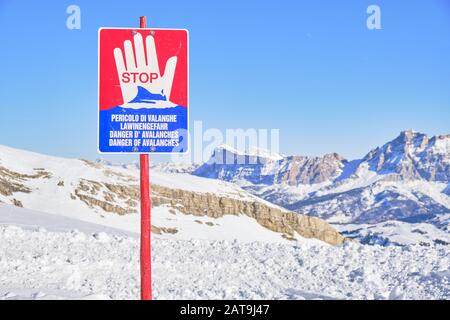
x,y
310,68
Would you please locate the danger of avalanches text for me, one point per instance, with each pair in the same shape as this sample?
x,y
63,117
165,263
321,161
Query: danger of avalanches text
x,y
143,130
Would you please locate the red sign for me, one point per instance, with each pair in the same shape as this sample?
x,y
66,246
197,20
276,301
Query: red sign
x,y
143,90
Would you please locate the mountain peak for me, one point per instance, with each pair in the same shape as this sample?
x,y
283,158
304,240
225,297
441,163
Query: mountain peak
x,y
410,135
251,152
257,165
409,132
412,155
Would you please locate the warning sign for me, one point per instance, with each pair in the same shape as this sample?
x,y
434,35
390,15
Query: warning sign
x,y
143,90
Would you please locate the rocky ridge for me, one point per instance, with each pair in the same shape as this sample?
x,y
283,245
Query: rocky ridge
x,y
101,189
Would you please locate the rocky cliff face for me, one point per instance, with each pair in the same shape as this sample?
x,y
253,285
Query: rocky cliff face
x,y
229,165
296,170
272,218
413,155
106,196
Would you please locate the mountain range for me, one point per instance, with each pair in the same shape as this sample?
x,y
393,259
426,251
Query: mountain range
x,y
397,191
280,227
407,179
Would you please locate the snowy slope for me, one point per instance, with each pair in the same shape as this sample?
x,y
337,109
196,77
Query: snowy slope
x,y
34,220
239,228
43,257
383,200
107,195
230,228
69,172
396,233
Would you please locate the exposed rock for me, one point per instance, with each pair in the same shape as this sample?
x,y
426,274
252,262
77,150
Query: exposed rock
x,y
9,174
205,204
123,177
92,187
11,182
124,191
123,198
106,206
297,170
17,203
413,155
89,191
92,164
161,230
40,173
109,196
358,191
7,188
410,156
288,237
292,170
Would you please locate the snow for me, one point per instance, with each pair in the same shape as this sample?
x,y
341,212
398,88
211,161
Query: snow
x,y
434,190
197,184
176,166
33,220
264,153
44,257
442,145
252,151
396,233
284,192
229,227
74,169
363,177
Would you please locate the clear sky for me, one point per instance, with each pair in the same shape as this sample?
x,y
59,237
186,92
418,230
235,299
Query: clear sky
x,y
310,68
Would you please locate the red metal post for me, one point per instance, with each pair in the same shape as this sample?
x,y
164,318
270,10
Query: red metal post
x,y
146,269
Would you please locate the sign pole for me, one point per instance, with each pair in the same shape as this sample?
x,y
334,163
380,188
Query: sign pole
x,y
122,86
146,271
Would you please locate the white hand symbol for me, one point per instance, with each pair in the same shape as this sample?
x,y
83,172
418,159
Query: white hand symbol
x,y
139,72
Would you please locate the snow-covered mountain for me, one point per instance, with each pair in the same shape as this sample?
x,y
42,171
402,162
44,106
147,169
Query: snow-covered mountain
x,y
407,179
185,206
260,167
412,156
69,229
